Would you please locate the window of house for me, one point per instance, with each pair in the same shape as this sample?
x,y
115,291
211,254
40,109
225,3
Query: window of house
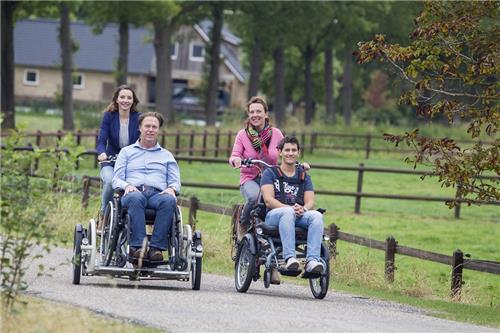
x,y
78,81
196,52
175,51
31,77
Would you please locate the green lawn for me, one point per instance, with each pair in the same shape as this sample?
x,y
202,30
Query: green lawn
x,y
423,225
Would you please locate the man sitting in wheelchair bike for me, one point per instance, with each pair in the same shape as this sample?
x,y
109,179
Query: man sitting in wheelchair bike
x,y
149,176
289,197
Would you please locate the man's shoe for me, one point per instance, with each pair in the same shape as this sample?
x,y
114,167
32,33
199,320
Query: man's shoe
x,y
155,254
135,253
275,276
292,264
314,266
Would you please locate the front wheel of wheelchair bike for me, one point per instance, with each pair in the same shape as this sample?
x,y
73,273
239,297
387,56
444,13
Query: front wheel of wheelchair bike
x,y
244,267
77,253
267,278
110,233
196,273
319,286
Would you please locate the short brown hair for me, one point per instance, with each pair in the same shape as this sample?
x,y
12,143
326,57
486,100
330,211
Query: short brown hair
x,y
156,115
288,139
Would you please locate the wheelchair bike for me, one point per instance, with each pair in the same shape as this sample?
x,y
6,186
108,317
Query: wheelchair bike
x,y
261,246
107,253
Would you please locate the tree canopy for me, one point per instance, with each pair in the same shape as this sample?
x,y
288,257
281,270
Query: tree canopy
x,y
451,68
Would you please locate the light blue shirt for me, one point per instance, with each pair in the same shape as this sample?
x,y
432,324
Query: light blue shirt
x,y
155,167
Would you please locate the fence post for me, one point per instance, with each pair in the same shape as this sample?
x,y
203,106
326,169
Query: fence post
x,y
303,142
359,189
163,138
457,265
177,141
191,144
38,142
85,194
78,142
217,141
314,139
390,257
204,143
193,207
333,233
368,145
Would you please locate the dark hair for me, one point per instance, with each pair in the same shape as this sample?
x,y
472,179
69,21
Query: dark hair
x,y
288,139
151,114
113,106
258,100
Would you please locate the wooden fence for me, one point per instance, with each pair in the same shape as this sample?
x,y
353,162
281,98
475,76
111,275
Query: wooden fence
x,y
219,143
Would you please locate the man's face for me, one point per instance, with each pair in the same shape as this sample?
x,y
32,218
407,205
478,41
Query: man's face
x,y
289,154
149,130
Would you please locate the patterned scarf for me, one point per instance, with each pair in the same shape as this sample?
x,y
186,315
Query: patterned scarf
x,y
260,140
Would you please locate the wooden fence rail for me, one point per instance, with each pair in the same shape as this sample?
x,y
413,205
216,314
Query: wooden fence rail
x,y
358,195
391,247
220,142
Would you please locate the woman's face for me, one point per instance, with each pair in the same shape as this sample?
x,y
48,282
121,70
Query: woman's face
x,y
125,100
257,115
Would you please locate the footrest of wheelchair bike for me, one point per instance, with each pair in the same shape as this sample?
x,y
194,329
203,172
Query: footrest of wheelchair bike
x,y
311,275
146,263
289,273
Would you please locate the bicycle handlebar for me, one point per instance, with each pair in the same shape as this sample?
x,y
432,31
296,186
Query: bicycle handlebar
x,y
250,162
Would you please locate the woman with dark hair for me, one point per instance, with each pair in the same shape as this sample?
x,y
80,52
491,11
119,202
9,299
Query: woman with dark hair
x,y
119,128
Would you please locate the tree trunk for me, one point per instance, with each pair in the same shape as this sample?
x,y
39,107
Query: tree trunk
x,y
255,69
213,78
163,49
347,86
122,63
329,81
279,86
308,98
8,111
67,66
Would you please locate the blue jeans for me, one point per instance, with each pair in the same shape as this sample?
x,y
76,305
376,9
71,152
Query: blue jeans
x,y
250,191
136,203
284,218
106,175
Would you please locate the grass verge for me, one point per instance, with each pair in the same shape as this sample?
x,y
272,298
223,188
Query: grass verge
x,y
39,316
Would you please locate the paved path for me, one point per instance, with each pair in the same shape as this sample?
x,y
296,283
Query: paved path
x,y
172,305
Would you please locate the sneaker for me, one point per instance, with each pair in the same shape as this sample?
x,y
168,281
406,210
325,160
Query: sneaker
x,y
314,266
155,254
292,264
275,276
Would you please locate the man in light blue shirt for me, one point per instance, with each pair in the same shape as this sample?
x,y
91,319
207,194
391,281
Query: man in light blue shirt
x,y
150,177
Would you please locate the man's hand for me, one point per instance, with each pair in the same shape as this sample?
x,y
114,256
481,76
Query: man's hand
x,y
102,157
130,188
169,190
299,210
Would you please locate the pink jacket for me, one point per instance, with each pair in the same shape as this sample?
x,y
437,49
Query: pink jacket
x,y
243,149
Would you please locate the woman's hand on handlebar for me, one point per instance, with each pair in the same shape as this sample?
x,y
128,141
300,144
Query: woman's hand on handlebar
x,y
236,163
102,157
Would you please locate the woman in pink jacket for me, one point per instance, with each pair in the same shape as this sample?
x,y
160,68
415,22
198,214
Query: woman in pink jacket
x,y
258,140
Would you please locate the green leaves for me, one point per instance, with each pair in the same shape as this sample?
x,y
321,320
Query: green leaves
x,y
452,65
